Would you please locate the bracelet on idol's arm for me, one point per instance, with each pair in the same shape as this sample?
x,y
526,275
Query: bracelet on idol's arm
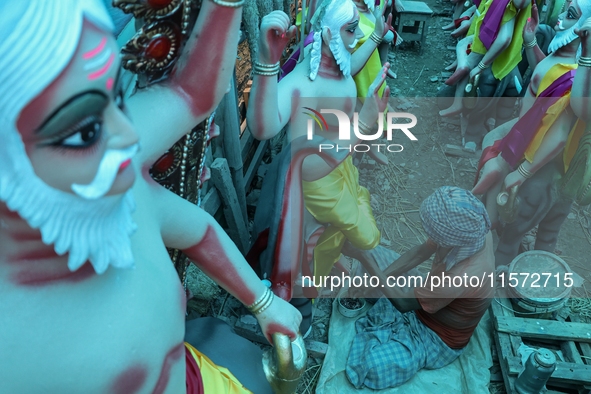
x,y
523,172
266,69
262,303
585,61
530,44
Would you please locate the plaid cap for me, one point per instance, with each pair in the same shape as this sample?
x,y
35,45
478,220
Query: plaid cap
x,y
454,218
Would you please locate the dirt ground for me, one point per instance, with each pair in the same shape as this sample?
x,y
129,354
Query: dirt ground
x,y
399,188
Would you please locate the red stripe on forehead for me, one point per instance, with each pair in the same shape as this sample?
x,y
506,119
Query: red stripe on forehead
x,y
93,52
103,70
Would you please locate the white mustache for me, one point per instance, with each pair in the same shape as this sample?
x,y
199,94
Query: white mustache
x,y
106,173
560,25
354,43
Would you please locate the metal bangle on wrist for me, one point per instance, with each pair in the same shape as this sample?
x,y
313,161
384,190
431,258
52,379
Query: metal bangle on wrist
x,y
585,61
265,69
262,303
530,44
524,172
364,127
230,4
375,38
482,66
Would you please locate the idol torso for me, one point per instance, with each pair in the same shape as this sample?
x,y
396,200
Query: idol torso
x,y
62,332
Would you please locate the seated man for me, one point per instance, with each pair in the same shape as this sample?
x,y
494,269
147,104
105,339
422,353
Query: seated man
x,y
333,197
432,323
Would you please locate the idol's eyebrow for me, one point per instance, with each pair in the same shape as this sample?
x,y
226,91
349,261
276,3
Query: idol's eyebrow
x,y
574,9
80,98
354,24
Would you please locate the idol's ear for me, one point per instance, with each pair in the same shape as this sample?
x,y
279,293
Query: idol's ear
x,y
326,35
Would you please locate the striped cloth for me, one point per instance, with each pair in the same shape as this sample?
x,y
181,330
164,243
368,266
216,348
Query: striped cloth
x,y
391,347
454,218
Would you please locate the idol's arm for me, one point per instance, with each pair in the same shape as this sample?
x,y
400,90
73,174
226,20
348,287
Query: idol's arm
x,y
189,228
167,111
533,53
270,102
552,145
581,91
362,54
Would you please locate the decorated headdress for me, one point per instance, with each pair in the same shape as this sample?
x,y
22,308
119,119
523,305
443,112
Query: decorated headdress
x,y
39,38
332,14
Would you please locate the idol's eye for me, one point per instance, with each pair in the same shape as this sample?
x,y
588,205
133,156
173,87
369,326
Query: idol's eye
x,y
571,14
86,134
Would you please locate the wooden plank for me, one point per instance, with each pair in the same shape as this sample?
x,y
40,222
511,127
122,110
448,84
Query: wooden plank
x,y
220,174
537,328
211,202
255,162
228,119
502,307
253,333
565,372
585,347
246,141
570,351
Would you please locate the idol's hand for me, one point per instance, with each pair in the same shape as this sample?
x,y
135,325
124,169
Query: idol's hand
x,y
374,104
475,71
274,36
531,26
585,33
280,317
513,179
382,26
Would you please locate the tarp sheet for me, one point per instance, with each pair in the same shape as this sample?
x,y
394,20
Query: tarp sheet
x,y
468,374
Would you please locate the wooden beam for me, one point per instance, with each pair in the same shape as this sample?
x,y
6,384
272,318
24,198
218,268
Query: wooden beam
x,y
537,328
455,150
585,347
212,201
222,179
230,136
255,162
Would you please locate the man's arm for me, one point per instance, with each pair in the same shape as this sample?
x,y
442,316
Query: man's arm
x,y
581,92
167,111
411,259
270,102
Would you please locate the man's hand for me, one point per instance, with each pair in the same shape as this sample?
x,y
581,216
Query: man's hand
x,y
382,27
280,317
585,34
274,36
531,26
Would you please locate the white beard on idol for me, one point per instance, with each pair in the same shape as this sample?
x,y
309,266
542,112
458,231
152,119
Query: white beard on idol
x,y
39,39
562,38
332,15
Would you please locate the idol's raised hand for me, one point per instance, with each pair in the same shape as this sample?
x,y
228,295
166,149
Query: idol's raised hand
x,y
274,35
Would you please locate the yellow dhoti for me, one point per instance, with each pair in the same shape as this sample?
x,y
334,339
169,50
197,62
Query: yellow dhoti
x,y
215,379
339,200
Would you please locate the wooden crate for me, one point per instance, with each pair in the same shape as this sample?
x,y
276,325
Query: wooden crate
x,y
571,336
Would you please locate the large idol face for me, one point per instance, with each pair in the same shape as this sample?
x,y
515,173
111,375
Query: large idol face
x,y
77,124
351,33
568,18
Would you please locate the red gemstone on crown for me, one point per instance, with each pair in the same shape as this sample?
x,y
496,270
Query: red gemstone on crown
x,y
164,163
159,48
159,4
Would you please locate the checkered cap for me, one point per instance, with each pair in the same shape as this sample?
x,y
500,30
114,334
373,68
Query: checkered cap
x,y
454,218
